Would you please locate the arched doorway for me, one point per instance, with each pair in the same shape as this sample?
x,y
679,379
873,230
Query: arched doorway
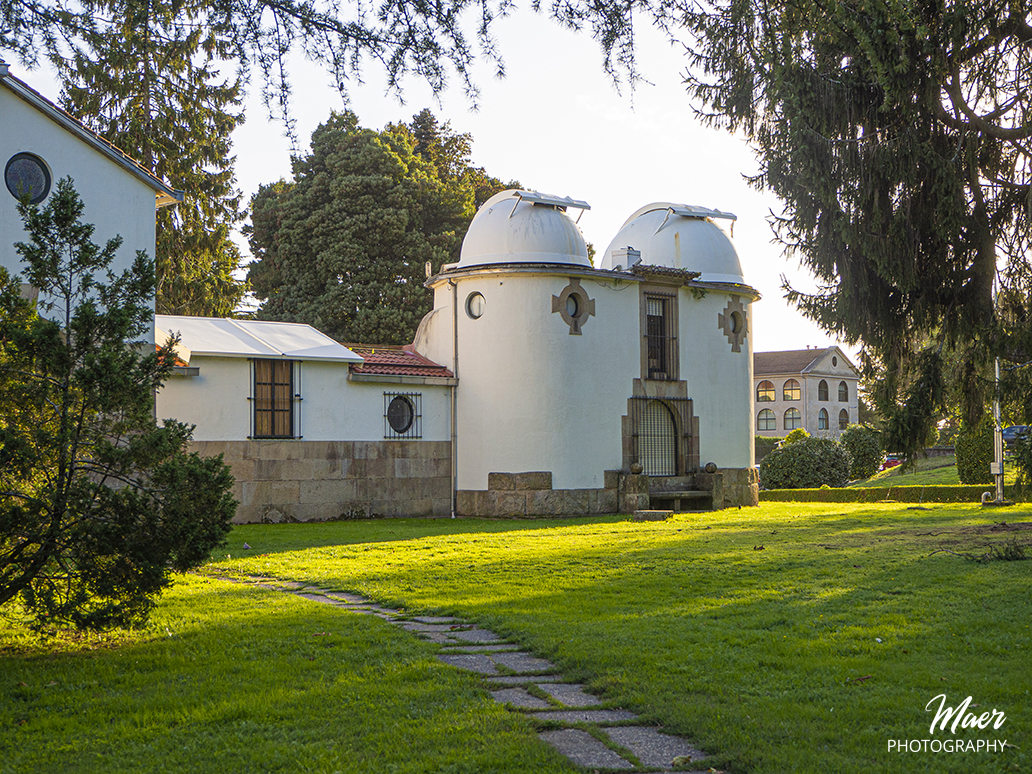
x,y
657,440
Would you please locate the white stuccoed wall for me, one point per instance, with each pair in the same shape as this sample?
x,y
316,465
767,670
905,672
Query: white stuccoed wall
x,y
719,380
332,408
115,201
531,396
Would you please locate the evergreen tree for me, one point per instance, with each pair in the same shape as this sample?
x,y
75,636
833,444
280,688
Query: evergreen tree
x,y
147,81
344,246
99,506
897,137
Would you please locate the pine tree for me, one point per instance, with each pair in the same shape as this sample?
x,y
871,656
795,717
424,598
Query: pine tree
x,y
148,82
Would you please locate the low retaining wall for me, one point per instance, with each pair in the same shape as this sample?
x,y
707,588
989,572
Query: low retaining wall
x,y
282,481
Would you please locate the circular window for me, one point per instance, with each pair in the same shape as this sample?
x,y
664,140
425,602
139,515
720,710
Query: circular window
x,y
400,414
27,175
736,322
572,307
475,305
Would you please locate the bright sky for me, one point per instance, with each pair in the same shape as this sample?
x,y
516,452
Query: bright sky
x,y
557,124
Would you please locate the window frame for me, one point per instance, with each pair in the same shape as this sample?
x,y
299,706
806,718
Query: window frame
x,y
843,419
822,390
771,419
797,389
767,394
823,420
843,392
285,421
659,346
798,417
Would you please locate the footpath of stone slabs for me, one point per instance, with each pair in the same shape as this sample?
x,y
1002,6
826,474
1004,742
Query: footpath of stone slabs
x,y
530,685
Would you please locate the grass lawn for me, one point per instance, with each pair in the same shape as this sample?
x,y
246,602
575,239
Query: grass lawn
x,y
786,638
930,471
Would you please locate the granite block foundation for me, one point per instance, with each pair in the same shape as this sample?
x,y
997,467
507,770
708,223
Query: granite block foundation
x,y
288,481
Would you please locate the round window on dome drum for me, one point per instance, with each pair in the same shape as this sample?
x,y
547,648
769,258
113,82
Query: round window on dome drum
x,y
475,305
27,175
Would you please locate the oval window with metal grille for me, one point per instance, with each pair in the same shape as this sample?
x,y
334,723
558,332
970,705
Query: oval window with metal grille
x,y
27,175
400,414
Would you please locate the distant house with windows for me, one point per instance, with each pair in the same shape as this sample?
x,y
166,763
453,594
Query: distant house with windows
x,y
815,389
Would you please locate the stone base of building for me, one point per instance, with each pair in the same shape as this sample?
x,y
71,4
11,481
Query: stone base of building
x,y
530,495
289,481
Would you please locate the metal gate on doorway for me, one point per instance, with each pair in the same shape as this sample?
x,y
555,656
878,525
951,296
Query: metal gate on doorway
x,y
656,433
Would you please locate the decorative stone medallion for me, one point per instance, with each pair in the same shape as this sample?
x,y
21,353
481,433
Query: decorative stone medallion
x,y
734,322
574,306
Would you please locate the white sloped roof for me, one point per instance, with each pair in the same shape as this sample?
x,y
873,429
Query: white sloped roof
x,y
223,337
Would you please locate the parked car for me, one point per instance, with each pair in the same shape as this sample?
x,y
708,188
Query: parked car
x,y
1012,433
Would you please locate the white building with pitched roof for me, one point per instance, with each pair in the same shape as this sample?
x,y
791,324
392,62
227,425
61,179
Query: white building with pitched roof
x,y
40,144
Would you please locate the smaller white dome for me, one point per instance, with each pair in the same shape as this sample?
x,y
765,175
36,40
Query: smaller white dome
x,y
678,236
522,227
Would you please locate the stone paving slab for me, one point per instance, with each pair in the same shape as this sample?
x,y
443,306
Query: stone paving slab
x,y
477,636
571,695
313,596
584,749
518,697
652,747
598,717
523,663
524,679
471,662
440,639
501,647
416,626
436,619
351,599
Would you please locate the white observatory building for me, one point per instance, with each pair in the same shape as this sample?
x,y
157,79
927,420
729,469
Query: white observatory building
x,y
571,377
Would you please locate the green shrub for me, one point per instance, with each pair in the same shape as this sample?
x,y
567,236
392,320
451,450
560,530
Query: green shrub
x,y
975,452
809,462
765,446
863,443
902,494
1023,461
796,435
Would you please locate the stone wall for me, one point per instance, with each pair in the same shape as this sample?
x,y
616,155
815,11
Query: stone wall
x,y
531,495
278,481
733,487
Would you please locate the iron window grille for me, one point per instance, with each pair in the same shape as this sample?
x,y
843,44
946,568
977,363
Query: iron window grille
x,y
275,399
660,341
402,415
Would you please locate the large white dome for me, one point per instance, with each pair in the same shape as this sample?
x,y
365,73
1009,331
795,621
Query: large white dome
x,y
678,236
523,227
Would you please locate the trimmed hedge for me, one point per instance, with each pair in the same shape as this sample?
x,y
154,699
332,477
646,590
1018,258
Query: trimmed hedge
x,y
902,494
804,462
